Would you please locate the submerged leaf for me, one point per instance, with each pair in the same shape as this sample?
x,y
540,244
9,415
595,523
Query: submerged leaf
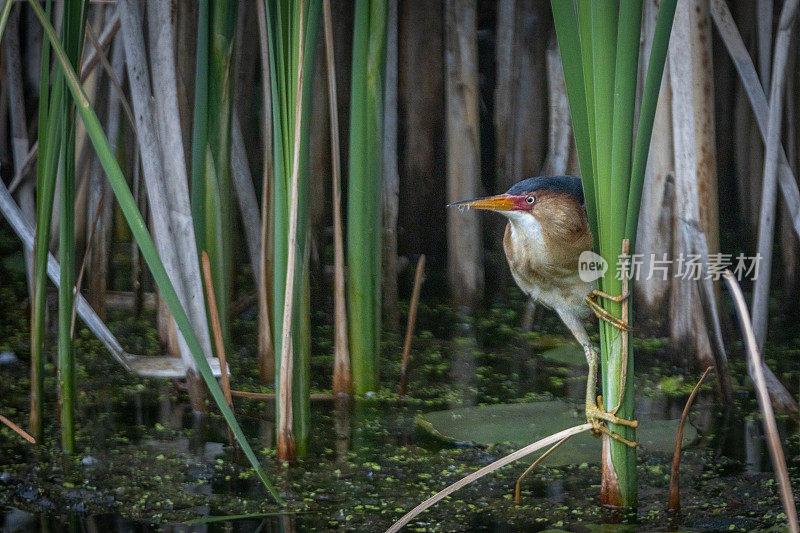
x,y
522,423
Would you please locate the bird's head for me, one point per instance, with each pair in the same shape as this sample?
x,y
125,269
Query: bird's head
x,y
546,211
546,198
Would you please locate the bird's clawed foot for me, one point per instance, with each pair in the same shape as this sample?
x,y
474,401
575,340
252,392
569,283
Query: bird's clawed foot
x,y
597,416
592,301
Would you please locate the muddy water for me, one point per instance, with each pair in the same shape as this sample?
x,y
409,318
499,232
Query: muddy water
x,y
146,462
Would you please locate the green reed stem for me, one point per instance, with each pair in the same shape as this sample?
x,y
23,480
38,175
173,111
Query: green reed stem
x,y
72,39
283,23
603,37
364,191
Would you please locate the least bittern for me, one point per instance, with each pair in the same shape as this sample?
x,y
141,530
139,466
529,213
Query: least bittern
x,y
546,233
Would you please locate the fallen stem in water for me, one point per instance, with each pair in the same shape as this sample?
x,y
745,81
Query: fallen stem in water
x,y
271,395
522,452
21,432
212,519
674,488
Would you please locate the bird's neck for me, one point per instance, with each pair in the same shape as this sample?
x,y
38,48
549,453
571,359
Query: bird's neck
x,y
559,243
525,228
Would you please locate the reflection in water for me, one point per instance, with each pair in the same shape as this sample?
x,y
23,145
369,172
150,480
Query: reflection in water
x,y
555,490
287,523
266,431
361,427
341,420
704,415
137,400
463,369
197,436
364,454
753,446
170,413
17,521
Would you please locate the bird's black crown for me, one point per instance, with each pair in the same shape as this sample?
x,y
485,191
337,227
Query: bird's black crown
x,y
564,184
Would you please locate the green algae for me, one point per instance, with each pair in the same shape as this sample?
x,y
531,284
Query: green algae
x,y
154,463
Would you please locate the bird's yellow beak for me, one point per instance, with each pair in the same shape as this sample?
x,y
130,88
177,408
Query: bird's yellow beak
x,y
500,202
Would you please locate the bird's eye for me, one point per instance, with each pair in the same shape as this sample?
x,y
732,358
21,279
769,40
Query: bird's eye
x,y
530,199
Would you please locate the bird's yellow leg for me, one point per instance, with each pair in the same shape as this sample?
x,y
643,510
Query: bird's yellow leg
x,y
602,314
592,301
595,414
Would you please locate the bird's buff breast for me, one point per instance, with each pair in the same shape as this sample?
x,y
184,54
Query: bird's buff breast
x,y
546,271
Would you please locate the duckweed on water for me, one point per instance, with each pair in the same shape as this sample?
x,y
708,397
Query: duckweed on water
x,y
143,456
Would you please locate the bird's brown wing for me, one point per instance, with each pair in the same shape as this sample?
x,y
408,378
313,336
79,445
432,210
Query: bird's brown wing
x,y
565,230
